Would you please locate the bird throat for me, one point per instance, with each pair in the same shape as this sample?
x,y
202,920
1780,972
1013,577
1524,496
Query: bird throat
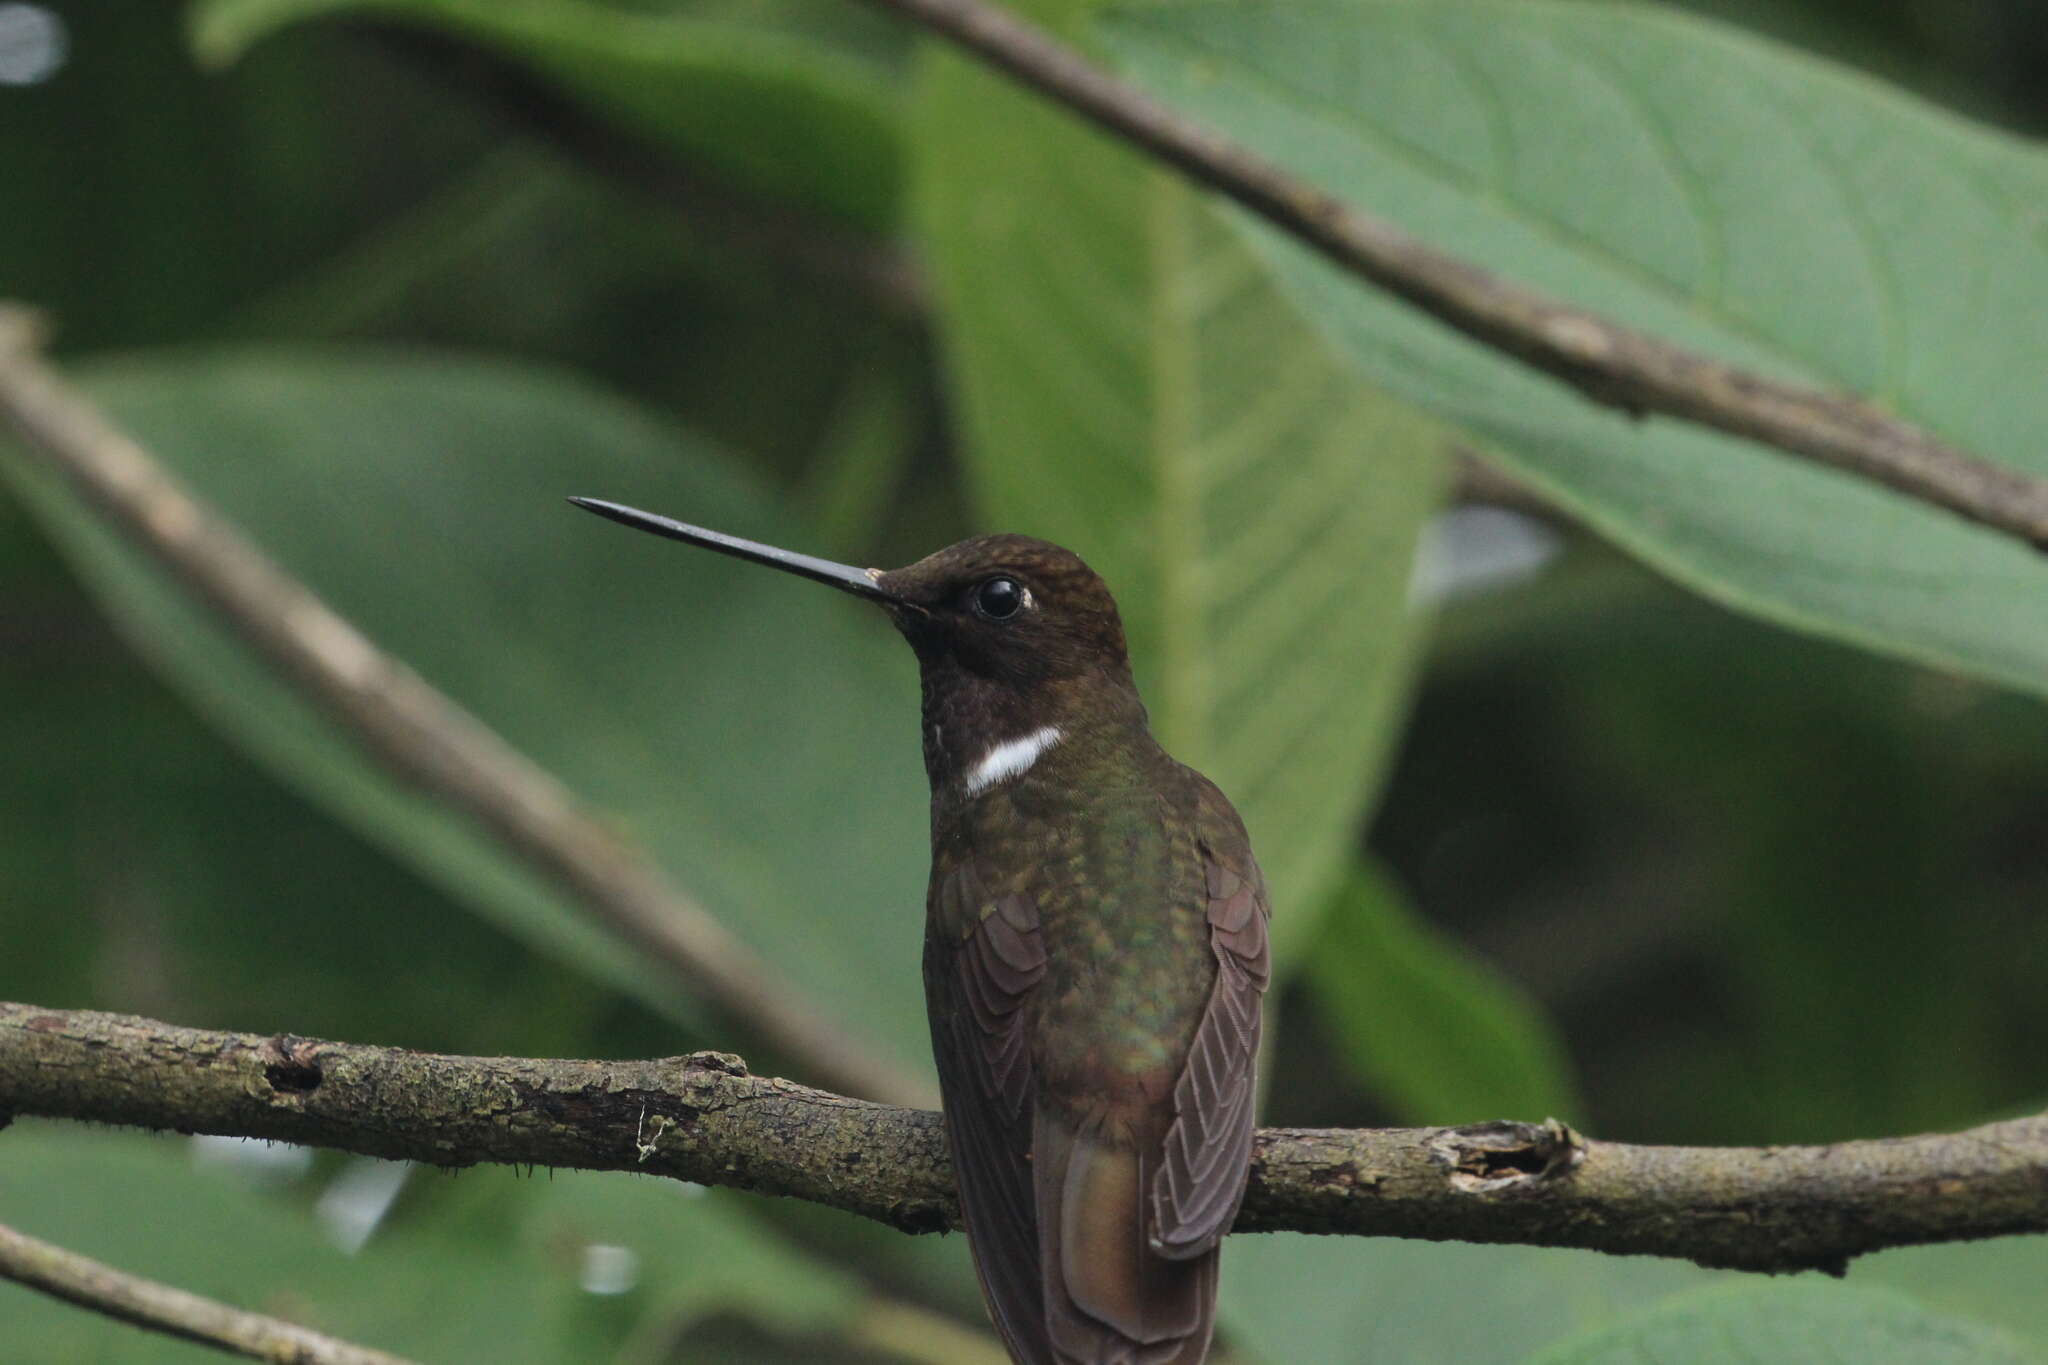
x,y
983,732
1010,758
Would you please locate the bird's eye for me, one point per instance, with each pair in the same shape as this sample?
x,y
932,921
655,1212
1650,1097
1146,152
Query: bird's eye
x,y
999,598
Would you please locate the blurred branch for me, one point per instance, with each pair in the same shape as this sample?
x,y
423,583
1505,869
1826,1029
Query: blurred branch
x,y
703,1118
905,1331
1478,479
93,1284
417,734
1605,361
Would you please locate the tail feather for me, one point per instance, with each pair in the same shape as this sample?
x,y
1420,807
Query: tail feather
x,y
1109,1298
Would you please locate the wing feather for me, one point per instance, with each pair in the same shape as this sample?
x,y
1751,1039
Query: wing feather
x,y
978,987
1208,1147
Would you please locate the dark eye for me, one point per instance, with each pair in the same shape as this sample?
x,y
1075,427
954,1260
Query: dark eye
x,y
999,598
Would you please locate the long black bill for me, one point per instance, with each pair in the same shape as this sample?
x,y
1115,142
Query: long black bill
x,y
845,577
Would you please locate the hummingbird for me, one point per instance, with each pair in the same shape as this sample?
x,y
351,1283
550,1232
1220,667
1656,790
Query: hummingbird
x,y
1095,952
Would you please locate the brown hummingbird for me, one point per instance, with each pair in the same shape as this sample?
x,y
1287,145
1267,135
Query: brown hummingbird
x,y
1095,952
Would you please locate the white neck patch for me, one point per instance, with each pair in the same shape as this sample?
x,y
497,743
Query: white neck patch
x,y
1011,758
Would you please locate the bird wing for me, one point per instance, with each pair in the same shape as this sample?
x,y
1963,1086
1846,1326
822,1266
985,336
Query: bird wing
x,y
1200,1180
983,956
1131,1206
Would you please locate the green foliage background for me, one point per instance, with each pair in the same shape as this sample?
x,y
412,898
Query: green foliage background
x,y
386,279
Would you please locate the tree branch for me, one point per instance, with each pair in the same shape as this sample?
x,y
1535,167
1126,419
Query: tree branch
x,y
418,735
1606,361
703,1118
160,1308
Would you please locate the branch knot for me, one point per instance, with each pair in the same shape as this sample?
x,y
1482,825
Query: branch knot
x,y
1506,1155
291,1065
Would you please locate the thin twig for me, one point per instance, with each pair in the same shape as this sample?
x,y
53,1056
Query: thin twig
x,y
419,735
1606,361
96,1285
703,1118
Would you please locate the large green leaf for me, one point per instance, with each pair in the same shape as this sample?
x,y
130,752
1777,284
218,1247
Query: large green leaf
x,y
1375,1300
147,864
1706,186
1133,385
205,190
1806,1322
757,735
777,106
1996,1281
1433,1030
434,1293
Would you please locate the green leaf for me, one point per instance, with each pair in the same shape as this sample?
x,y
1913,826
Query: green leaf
x,y
1133,386
1436,1032
1708,187
147,864
756,735
139,1204
1362,1301
1376,1299
1996,1281
778,106
146,861
868,443
1806,1322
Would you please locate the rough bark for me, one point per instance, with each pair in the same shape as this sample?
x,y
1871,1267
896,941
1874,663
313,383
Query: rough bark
x,y
704,1118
